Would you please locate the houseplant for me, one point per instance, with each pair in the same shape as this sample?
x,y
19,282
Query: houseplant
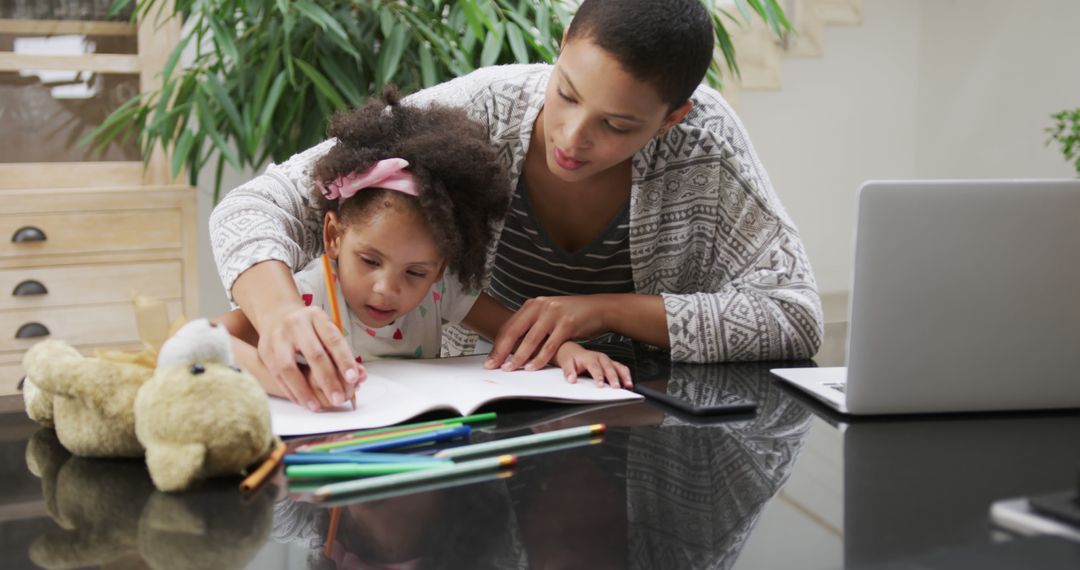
x,y
1066,132
266,74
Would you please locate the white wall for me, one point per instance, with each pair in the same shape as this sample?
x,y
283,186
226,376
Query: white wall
x,y
926,89
922,89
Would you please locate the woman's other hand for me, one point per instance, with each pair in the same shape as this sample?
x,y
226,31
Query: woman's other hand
x,y
540,327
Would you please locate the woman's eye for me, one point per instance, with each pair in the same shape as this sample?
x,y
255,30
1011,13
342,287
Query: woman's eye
x,y
564,96
616,129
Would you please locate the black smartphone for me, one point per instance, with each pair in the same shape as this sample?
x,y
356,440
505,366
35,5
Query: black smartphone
x,y
1064,506
736,408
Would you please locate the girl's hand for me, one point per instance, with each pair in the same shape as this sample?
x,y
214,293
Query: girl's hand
x,y
575,359
309,332
541,326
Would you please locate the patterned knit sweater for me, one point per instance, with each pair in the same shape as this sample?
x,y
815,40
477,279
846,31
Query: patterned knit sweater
x,y
707,232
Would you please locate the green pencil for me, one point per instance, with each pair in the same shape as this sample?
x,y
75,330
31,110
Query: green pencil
x,y
512,443
431,473
473,419
384,436
353,470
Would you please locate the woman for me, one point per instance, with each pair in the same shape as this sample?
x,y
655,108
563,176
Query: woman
x,y
640,209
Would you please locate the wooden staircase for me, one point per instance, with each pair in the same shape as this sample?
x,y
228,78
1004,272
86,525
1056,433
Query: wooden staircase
x,y
761,54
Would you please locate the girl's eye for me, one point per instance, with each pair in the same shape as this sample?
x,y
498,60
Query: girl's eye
x,y
564,96
371,262
419,274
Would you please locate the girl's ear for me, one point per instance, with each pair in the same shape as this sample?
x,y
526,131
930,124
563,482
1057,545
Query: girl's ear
x,y
332,231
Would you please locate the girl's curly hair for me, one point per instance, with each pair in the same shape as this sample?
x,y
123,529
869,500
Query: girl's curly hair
x,y
463,188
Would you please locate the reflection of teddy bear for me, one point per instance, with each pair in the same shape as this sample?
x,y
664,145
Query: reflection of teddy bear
x,y
108,511
195,415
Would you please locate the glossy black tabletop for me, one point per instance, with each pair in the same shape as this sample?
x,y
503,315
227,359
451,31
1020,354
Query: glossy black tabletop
x,y
791,487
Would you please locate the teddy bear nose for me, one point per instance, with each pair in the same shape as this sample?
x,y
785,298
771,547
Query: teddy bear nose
x,y
197,369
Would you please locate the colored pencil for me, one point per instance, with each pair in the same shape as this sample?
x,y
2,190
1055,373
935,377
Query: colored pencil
x,y
512,443
473,419
354,470
256,478
359,457
376,437
335,310
405,441
387,481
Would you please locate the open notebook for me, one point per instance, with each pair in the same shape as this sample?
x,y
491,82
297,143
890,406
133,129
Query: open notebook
x,y
397,390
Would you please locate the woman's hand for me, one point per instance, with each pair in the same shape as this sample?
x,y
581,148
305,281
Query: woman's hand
x,y
309,332
575,359
541,326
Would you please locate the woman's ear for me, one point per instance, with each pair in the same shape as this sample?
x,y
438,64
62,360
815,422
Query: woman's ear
x,y
675,117
332,231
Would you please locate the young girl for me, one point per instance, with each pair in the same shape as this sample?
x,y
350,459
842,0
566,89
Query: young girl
x,y
409,200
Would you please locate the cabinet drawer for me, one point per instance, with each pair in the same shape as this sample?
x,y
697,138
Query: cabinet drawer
x,y
88,232
88,284
10,374
88,326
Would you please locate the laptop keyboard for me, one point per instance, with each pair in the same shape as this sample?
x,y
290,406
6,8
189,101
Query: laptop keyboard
x,y
838,386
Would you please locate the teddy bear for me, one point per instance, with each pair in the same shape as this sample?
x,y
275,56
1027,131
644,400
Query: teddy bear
x,y
194,416
107,513
89,401
199,415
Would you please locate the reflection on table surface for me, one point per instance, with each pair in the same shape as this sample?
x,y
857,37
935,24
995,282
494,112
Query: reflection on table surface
x,y
791,487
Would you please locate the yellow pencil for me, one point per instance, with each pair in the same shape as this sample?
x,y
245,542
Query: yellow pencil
x,y
335,310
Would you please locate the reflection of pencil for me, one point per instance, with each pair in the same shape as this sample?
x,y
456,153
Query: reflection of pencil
x,y
538,449
512,443
399,479
252,482
438,485
335,310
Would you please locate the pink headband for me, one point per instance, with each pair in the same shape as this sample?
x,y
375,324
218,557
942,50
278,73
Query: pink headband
x,y
389,174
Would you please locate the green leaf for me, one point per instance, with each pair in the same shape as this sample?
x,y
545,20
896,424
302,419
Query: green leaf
x,y
342,80
328,23
517,43
475,17
224,40
427,68
180,153
268,109
390,56
322,85
216,90
492,45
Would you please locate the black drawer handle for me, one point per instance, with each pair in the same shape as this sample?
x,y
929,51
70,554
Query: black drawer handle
x,y
32,330
28,234
28,288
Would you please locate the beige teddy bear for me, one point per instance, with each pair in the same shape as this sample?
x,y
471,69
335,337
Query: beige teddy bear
x,y
194,416
89,401
199,416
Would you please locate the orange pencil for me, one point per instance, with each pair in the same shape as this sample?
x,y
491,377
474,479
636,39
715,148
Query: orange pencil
x,y
335,311
252,481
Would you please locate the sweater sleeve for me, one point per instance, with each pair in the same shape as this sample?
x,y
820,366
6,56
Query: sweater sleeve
x,y
273,217
747,291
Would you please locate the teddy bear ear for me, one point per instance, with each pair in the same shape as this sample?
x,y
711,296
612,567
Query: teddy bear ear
x,y
197,341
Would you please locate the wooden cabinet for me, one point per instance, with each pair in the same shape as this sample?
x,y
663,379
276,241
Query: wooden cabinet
x,y
81,232
71,260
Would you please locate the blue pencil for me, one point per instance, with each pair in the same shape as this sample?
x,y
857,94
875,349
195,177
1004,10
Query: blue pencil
x,y
358,457
429,437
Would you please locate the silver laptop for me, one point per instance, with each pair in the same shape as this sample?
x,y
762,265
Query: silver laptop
x,y
965,297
